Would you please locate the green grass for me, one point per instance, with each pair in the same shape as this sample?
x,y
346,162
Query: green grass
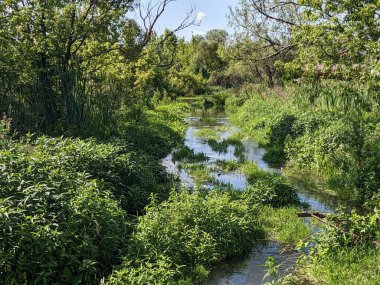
x,y
283,225
359,265
199,173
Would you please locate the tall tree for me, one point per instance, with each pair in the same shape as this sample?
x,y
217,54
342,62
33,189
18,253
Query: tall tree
x,y
263,33
343,35
62,47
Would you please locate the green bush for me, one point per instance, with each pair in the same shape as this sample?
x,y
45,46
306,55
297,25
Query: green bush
x,y
279,131
314,129
186,154
345,153
349,230
66,204
273,191
345,252
61,230
161,130
145,272
192,231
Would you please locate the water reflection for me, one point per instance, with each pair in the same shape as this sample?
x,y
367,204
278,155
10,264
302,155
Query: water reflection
x,y
248,269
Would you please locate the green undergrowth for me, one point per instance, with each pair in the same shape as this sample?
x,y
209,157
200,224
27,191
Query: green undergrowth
x,y
158,131
269,188
335,142
222,146
227,165
200,173
346,252
347,266
180,240
192,231
67,205
187,155
69,209
283,225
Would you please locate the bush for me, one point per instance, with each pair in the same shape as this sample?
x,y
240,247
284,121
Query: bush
x,y
345,153
345,252
317,130
65,203
273,191
193,231
349,230
280,130
58,234
142,272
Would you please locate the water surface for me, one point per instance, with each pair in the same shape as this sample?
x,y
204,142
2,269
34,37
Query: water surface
x,y
248,269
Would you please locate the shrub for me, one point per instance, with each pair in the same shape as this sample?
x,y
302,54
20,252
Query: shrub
x,y
54,234
274,191
193,231
65,205
142,272
349,230
279,131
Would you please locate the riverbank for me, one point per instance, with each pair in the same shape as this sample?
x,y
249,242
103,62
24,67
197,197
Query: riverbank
x,y
328,151
120,218
337,149
68,206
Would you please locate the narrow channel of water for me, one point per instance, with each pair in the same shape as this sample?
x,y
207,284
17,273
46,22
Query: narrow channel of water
x,y
248,269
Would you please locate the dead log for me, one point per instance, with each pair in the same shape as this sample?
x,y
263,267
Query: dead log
x,y
311,215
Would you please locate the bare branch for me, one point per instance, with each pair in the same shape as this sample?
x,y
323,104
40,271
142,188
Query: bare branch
x,y
265,12
283,4
151,13
287,48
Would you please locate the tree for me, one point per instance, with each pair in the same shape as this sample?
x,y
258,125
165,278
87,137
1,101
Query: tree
x,y
343,35
218,36
207,59
263,33
61,53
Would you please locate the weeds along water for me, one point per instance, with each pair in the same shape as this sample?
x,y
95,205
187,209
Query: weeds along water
x,y
108,212
328,149
214,156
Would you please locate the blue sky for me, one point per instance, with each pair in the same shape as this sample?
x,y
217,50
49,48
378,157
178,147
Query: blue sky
x,y
213,13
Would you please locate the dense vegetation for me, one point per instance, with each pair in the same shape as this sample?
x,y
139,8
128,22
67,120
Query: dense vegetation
x,y
67,205
88,97
318,114
338,147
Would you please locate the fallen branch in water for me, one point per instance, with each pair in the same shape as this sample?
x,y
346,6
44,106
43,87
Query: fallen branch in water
x,y
311,215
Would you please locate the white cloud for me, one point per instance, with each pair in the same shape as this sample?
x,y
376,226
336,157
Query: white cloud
x,y
200,17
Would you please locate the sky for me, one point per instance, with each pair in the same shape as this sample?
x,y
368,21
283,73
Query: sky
x,y
211,12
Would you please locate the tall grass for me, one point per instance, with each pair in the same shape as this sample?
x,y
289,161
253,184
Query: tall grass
x,y
328,128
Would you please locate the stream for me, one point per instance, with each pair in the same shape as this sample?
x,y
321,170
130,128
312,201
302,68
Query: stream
x,y
248,269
